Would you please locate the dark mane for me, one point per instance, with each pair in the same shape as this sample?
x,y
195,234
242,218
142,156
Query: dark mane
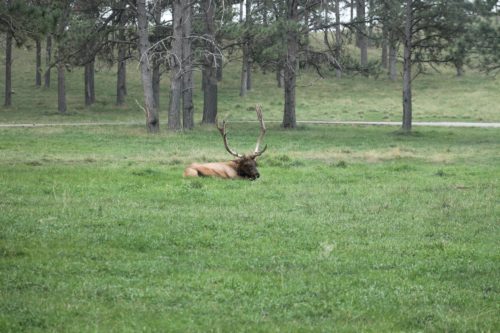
x,y
246,167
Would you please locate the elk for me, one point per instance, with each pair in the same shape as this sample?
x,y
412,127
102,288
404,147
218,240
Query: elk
x,y
243,167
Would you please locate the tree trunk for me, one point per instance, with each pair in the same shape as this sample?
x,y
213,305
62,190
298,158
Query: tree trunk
x,y
393,63
156,84
8,70
61,67
210,98
209,65
244,73
242,2
280,75
89,83
38,63
459,67
248,58
383,56
121,74
8,66
371,6
393,51
245,63
220,66
174,112
249,72
156,77
156,60
289,120
61,83
152,118
48,59
361,33
338,38
265,19
407,102
353,3
305,39
203,79
187,78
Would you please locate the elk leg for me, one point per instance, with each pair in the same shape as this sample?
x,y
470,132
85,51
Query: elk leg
x,y
190,172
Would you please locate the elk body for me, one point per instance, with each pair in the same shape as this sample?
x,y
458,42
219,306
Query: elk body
x,y
244,166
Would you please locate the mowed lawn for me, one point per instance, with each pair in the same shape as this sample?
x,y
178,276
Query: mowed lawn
x,y
348,229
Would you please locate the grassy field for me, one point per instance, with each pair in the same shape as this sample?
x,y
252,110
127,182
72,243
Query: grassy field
x,y
348,229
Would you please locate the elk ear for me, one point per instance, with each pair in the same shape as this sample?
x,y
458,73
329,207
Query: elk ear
x,y
254,159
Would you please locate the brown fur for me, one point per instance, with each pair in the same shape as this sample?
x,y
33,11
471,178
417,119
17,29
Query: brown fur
x,y
244,167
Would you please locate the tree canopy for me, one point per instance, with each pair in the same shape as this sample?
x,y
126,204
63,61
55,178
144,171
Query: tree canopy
x,y
273,36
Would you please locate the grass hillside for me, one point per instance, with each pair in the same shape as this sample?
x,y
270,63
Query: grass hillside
x,y
349,228
437,97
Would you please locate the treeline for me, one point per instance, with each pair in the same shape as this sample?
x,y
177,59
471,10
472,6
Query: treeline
x,y
176,37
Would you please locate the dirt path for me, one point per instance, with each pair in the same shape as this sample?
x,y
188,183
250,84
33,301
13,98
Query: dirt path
x,y
5,125
319,122
416,123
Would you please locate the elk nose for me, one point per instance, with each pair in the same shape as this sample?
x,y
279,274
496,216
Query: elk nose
x,y
257,175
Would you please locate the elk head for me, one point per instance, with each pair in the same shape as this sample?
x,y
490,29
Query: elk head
x,y
246,165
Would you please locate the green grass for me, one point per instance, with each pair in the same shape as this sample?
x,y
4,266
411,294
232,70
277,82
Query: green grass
x,y
436,97
348,229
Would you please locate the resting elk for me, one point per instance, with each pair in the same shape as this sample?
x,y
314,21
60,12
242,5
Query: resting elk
x,y
243,167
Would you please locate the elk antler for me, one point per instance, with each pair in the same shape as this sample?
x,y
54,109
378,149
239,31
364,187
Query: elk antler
x,y
223,132
258,152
